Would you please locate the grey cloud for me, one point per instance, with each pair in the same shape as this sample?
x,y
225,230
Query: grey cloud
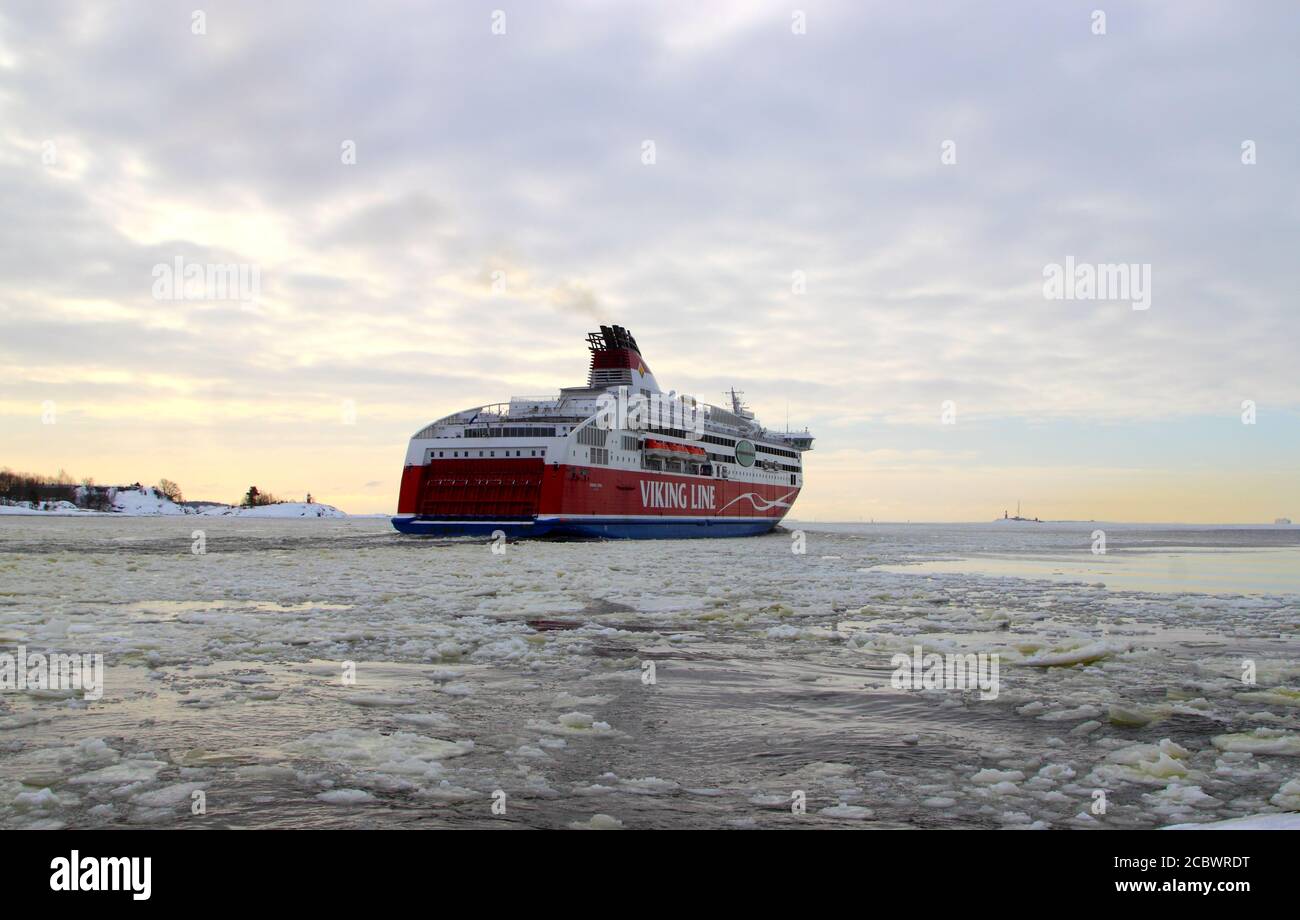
x,y
776,153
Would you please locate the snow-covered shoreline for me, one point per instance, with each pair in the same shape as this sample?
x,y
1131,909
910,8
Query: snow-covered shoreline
x,y
279,510
147,501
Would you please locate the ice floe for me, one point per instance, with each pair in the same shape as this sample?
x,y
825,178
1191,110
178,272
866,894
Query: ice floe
x,y
525,672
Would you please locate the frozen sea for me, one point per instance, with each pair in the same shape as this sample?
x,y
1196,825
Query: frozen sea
x,y
521,679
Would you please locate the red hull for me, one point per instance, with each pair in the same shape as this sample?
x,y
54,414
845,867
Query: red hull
x,y
527,487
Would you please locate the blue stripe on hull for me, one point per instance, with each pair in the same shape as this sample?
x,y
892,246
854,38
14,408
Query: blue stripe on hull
x,y
615,529
430,527
608,528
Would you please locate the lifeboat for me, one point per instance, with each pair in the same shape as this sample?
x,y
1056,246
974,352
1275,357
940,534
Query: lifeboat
x,y
656,448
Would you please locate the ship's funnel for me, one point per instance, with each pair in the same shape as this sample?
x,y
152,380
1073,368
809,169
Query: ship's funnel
x,y
616,361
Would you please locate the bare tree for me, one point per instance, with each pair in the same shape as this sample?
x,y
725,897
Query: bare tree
x,y
170,490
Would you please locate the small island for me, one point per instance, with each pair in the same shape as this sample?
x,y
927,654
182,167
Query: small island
x,y
28,493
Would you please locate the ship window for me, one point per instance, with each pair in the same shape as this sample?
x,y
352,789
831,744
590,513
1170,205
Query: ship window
x,y
792,479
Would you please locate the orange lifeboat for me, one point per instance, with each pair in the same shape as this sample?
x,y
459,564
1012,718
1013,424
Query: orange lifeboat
x,y
670,449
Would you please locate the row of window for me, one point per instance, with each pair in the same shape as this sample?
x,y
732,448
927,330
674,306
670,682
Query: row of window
x,y
455,454
509,432
762,464
600,455
673,466
671,432
596,436
724,442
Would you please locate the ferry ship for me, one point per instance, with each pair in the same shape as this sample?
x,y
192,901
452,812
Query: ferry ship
x,y
617,458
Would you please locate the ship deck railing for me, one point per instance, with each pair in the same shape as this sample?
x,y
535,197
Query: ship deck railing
x,y
553,409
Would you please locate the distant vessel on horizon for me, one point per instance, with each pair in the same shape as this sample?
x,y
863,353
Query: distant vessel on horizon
x,y
1017,517
1282,520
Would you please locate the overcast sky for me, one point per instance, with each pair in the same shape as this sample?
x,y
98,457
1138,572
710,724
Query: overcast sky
x,y
796,141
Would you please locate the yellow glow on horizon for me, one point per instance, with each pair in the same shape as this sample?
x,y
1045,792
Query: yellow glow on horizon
x,y
899,493
360,473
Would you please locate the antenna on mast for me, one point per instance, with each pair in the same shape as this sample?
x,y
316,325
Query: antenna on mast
x,y
737,404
